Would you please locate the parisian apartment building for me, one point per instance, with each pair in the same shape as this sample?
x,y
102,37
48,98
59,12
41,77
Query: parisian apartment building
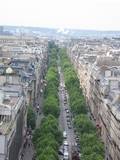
x,y
22,69
97,63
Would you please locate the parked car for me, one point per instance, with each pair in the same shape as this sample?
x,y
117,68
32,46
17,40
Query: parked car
x,y
78,145
64,134
65,103
69,126
67,111
68,116
77,139
60,152
69,123
68,119
65,148
78,149
66,156
65,143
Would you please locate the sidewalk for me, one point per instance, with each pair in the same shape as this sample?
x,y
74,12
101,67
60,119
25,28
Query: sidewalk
x,y
38,121
28,152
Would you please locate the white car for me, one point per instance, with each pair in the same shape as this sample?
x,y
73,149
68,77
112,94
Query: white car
x,y
67,111
64,134
66,156
65,143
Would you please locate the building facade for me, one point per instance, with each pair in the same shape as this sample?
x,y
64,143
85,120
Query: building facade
x,y
97,64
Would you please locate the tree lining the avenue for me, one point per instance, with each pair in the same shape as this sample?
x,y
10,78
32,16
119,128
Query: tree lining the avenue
x,y
91,147
47,138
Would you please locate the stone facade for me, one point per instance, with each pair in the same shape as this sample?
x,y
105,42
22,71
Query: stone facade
x,y
98,69
22,68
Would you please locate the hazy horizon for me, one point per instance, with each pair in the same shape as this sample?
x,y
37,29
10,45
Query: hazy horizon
x,y
99,15
48,27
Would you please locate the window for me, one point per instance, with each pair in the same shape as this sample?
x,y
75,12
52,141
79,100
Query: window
x,y
107,73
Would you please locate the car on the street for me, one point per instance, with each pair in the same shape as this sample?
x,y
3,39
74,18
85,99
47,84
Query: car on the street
x,y
66,155
67,111
78,145
65,148
69,126
64,134
68,116
65,143
68,123
65,98
75,131
60,152
78,149
65,103
77,139
68,120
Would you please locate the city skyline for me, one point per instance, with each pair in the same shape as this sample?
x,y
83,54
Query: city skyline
x,y
77,14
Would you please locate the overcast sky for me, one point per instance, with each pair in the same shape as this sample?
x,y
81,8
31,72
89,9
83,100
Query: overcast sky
x,y
81,14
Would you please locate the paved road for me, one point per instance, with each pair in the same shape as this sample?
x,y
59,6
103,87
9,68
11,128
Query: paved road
x,y
29,150
64,104
28,153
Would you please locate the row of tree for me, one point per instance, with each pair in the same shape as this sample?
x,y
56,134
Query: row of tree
x,y
91,146
51,99
48,137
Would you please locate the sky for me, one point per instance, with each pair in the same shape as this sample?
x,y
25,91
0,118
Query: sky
x,y
78,14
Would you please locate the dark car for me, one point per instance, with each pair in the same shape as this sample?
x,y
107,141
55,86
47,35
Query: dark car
x,y
69,123
67,115
66,109
60,152
68,119
69,126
